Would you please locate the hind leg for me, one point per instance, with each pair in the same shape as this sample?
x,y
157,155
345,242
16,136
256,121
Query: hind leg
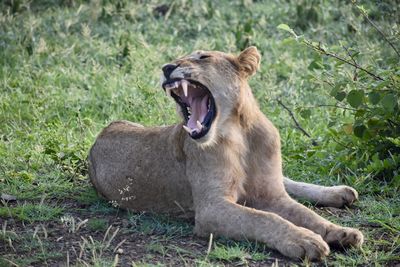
x,y
333,196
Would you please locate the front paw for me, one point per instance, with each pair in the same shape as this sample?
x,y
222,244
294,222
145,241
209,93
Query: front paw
x,y
343,236
303,243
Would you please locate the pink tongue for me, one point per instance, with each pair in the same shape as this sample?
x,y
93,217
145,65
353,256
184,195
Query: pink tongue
x,y
199,110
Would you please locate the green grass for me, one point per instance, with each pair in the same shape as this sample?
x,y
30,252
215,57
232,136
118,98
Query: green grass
x,y
68,68
33,248
31,212
235,253
97,224
153,224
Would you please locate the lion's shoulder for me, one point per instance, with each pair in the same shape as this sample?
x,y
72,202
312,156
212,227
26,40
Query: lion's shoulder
x,y
119,127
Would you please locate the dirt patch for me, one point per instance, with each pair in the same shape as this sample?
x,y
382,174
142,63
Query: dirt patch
x,y
96,233
115,235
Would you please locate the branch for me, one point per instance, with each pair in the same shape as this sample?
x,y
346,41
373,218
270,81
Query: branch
x,y
340,143
365,15
331,106
314,143
329,54
354,61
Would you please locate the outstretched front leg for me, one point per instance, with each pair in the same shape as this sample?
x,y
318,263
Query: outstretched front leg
x,y
215,193
329,196
223,217
301,216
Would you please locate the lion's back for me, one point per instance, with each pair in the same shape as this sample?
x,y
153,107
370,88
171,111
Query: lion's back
x,y
137,168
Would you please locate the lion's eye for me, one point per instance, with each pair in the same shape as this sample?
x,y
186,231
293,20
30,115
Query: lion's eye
x,y
204,56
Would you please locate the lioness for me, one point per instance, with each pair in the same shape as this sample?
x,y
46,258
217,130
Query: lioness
x,y
223,162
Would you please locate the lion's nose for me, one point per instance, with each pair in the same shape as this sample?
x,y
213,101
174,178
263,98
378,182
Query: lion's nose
x,y
168,69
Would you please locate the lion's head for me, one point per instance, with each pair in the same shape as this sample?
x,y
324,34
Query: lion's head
x,y
207,87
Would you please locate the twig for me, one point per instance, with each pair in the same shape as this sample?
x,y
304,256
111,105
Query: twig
x,y
328,82
331,106
210,241
376,27
340,143
297,123
354,61
329,54
118,245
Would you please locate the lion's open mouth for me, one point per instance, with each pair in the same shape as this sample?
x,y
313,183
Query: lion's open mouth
x,y
196,102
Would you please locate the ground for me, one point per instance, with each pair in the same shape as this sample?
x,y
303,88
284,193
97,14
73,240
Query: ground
x,y
68,68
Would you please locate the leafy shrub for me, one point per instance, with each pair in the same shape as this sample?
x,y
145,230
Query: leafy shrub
x,y
364,113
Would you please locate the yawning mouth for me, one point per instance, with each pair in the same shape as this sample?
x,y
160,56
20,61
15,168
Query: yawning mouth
x,y
196,102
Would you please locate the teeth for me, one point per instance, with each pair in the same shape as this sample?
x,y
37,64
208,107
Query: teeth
x,y
185,87
199,126
187,129
168,91
176,84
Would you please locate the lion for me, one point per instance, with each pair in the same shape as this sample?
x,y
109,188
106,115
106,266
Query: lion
x,y
222,164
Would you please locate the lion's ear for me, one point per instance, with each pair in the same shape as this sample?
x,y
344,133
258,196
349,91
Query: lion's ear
x,y
249,61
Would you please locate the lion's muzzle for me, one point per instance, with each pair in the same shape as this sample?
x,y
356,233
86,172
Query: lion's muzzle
x,y
196,102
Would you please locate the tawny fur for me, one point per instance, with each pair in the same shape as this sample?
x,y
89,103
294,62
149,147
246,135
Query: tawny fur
x,y
231,179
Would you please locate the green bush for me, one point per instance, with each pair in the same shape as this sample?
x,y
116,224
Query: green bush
x,y
364,114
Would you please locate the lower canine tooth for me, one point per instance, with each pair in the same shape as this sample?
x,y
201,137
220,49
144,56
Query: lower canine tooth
x,y
187,129
199,125
168,91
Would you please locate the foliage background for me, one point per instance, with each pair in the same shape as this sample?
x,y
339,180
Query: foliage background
x,y
70,67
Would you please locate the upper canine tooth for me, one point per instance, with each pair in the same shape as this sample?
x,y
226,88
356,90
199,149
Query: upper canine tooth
x,y
184,87
187,129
